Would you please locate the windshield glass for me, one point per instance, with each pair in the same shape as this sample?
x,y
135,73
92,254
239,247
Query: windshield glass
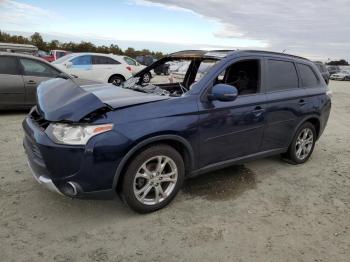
x,y
171,76
63,59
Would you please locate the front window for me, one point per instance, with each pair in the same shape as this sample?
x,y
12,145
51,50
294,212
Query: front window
x,y
243,75
82,60
36,68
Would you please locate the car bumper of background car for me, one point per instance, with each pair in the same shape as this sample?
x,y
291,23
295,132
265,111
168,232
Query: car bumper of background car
x,y
80,172
337,77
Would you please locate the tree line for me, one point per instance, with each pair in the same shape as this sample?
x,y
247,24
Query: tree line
x,y
37,40
341,62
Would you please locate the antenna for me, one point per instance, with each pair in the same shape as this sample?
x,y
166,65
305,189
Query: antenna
x,y
284,50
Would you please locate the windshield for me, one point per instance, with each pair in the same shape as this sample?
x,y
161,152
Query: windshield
x,y
171,75
63,59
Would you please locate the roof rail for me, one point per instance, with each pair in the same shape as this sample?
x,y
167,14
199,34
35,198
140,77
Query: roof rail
x,y
274,53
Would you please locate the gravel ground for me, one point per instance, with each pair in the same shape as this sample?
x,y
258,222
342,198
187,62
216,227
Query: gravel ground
x,y
266,210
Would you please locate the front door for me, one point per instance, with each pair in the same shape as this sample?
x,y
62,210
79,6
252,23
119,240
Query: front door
x,y
11,82
81,66
34,72
230,130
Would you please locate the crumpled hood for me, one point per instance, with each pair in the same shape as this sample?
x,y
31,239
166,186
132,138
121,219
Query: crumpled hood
x,y
64,100
117,97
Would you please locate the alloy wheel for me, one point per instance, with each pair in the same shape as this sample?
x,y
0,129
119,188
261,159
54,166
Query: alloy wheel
x,y
155,180
304,143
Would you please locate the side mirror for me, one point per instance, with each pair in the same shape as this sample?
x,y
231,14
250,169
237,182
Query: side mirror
x,y
223,92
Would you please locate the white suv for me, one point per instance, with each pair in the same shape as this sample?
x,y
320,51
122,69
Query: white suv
x,y
106,68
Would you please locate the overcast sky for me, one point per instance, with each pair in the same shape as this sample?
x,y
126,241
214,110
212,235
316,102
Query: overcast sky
x,y
317,29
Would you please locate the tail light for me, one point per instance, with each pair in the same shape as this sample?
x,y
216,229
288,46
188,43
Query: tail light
x,y
129,68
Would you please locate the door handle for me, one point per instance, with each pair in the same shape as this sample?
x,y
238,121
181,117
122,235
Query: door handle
x,y
258,110
31,82
302,102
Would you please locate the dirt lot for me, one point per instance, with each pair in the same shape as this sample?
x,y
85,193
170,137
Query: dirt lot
x,y
266,210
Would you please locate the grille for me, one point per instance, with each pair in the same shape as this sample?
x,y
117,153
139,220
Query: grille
x,y
39,119
33,150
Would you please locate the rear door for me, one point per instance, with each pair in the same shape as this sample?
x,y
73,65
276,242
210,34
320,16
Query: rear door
x,y
34,72
103,67
11,82
286,102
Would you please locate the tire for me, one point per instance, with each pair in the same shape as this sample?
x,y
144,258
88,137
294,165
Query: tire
x,y
146,78
116,80
302,145
148,186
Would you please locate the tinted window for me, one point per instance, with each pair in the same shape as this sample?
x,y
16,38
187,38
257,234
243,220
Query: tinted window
x,y
8,65
82,60
129,61
103,60
307,75
36,68
281,75
243,75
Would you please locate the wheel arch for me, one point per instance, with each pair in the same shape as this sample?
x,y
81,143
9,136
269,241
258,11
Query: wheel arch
x,y
120,75
313,119
177,142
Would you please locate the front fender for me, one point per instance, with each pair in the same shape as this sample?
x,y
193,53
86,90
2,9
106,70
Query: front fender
x,y
148,141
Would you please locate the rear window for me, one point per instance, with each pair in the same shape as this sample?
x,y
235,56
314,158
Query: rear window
x,y
282,75
307,75
103,60
8,65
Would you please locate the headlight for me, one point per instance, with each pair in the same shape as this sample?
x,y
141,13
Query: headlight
x,y
75,134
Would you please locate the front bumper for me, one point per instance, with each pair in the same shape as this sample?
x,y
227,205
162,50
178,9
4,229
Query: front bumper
x,y
45,181
91,168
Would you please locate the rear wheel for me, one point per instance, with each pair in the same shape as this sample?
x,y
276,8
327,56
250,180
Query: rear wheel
x,y
116,80
153,178
302,145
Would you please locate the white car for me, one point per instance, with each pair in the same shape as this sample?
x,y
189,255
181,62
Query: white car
x,y
106,68
342,75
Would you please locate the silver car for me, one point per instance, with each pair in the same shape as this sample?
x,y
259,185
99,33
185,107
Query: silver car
x,y
20,76
342,75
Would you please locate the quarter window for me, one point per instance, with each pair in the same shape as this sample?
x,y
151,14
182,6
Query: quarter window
x,y
308,77
36,68
8,65
282,75
82,60
129,61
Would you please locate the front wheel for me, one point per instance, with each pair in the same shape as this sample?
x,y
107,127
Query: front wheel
x,y
302,145
116,80
153,178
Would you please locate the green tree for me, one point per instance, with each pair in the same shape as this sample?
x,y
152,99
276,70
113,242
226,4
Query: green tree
x,y
38,41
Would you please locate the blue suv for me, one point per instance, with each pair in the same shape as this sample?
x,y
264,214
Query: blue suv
x,y
141,140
